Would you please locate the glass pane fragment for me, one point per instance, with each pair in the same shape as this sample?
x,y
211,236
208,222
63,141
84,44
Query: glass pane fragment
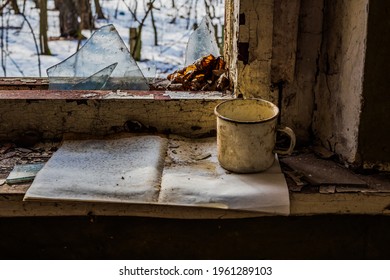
x,y
202,42
105,47
96,81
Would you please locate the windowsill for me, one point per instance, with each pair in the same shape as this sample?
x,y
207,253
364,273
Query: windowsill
x,y
38,88
301,204
53,113
312,200
184,113
100,94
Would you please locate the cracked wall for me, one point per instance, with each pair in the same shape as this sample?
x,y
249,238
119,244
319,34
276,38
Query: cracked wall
x,y
254,49
309,58
297,43
272,49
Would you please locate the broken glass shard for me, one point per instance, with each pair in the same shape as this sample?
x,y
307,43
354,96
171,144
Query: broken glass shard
x,y
202,42
97,80
23,173
149,71
105,50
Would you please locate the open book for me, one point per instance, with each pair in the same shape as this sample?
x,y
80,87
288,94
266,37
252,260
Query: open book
x,y
152,169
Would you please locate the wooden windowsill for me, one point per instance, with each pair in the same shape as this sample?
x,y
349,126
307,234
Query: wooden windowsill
x,y
53,113
104,94
302,203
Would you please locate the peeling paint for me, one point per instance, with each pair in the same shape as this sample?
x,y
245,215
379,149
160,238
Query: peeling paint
x,y
54,117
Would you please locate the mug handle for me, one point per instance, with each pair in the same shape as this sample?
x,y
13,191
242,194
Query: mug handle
x,y
290,133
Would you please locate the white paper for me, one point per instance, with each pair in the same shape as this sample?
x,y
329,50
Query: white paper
x,y
193,176
116,170
155,170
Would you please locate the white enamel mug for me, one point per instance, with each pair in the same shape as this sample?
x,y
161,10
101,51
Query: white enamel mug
x,y
246,135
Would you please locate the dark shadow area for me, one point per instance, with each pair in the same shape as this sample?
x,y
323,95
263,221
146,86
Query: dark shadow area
x,y
317,237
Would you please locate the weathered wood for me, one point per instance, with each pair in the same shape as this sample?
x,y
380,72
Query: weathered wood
x,y
298,95
51,114
339,92
231,39
24,83
340,203
272,50
302,204
255,49
284,42
11,205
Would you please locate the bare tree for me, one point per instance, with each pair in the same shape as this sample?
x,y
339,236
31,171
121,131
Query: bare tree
x,y
43,28
15,7
189,14
35,42
154,27
174,17
70,10
132,9
148,6
99,11
211,13
69,25
84,11
4,37
36,3
57,4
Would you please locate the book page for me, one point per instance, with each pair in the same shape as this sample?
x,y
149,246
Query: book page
x,y
113,170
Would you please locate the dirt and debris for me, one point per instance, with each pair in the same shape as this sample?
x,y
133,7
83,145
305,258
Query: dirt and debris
x,y
314,170
12,154
206,73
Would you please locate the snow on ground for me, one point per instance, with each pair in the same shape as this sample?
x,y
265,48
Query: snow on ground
x,y
19,53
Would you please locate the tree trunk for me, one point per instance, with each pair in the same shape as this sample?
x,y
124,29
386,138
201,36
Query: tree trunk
x,y
85,13
15,7
43,28
154,28
69,25
99,10
36,3
135,43
189,13
57,4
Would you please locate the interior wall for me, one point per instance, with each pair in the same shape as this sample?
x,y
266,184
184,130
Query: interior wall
x,y
297,81
324,63
232,8
272,49
254,50
338,98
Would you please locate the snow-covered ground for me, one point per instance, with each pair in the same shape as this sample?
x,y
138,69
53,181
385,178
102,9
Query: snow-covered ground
x,y
19,53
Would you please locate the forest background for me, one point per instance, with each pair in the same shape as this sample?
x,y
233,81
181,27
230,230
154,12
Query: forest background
x,y
37,34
